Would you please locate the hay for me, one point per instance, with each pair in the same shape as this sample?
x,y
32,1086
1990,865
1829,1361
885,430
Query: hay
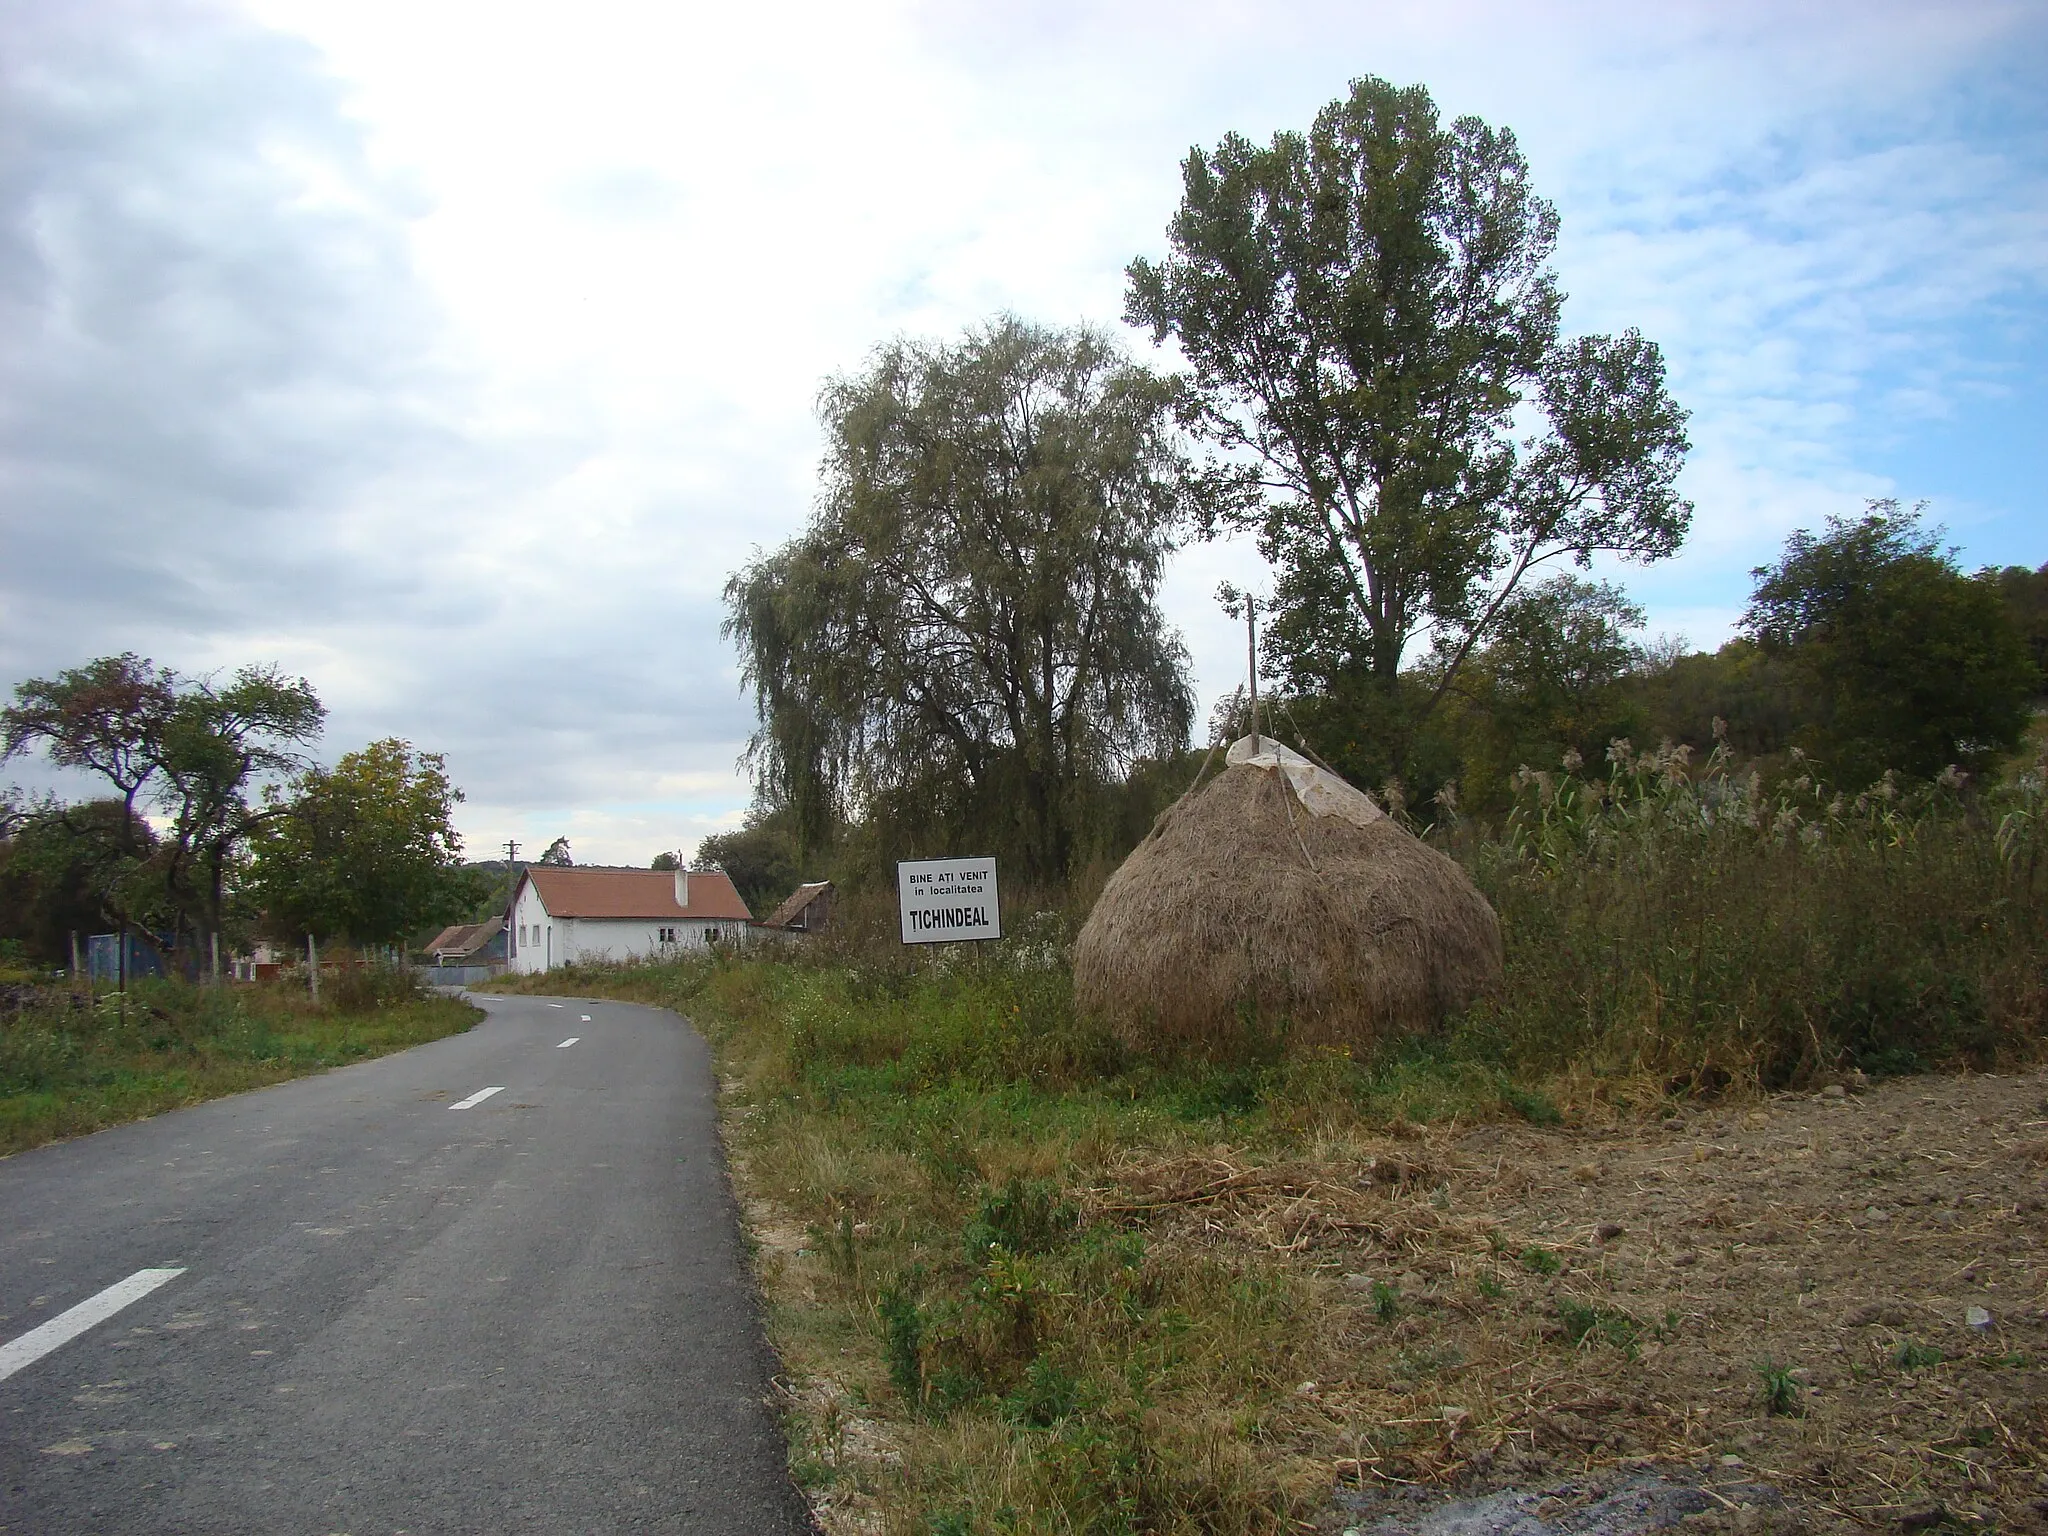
x,y
1245,911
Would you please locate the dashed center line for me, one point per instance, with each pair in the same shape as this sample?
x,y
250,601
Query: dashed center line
x,y
69,1324
478,1097
584,1017
568,1042
558,1005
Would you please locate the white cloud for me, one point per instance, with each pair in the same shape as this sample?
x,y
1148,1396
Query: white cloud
x,y
456,353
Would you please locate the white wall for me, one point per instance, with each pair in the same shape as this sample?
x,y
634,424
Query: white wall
x,y
553,941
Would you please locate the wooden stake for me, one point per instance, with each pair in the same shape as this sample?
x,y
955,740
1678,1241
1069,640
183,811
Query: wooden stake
x,y
1251,632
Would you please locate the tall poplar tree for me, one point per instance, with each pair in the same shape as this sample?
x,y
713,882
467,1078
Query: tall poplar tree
x,y
1371,325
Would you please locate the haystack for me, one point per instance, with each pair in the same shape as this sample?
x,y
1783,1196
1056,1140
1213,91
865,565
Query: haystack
x,y
1280,897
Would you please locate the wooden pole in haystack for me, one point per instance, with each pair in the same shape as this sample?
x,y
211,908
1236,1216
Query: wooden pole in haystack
x,y
1251,634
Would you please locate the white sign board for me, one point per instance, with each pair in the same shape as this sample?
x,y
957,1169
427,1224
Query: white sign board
x,y
943,901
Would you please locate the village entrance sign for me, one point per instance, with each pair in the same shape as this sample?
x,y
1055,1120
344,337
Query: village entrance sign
x,y
943,901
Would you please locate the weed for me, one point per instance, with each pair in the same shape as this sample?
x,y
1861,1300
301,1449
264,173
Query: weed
x,y
1578,1319
1024,1216
902,1336
1048,1395
1780,1390
1491,1288
1540,1261
844,1253
1386,1301
1915,1356
1583,1321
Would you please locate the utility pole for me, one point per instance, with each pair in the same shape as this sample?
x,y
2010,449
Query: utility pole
x,y
511,851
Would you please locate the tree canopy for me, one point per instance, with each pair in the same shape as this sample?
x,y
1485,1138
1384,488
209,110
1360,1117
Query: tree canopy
x,y
969,627
1906,662
364,850
1372,328
195,750
1552,679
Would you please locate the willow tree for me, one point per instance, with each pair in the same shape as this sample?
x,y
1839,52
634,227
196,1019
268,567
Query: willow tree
x,y
1373,333
967,636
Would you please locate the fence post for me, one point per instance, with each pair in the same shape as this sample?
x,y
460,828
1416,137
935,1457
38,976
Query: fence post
x,y
313,966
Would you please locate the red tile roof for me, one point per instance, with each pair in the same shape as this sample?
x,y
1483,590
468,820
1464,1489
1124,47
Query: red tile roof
x,y
632,893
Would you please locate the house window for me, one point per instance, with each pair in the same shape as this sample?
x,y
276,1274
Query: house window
x,y
668,935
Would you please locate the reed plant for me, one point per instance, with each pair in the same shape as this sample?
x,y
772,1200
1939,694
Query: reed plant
x,y
1696,924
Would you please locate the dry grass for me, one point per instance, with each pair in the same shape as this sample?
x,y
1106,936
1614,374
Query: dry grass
x,y
1243,914
1501,1304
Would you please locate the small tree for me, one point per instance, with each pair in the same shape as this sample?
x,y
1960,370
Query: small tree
x,y
557,854
1906,662
1551,680
365,850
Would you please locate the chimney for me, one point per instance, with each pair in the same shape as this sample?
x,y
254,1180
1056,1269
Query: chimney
x,y
683,889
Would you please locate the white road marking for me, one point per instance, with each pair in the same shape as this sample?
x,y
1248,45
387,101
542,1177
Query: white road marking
x,y
584,1017
568,1042
478,1097
558,1005
69,1324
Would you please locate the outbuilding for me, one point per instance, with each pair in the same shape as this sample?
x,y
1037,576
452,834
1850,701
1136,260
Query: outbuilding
x,y
808,909
562,914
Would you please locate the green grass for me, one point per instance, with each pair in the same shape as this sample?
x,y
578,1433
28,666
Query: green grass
x,y
71,1064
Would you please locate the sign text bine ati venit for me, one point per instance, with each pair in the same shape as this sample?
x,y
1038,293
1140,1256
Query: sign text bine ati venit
x,y
942,901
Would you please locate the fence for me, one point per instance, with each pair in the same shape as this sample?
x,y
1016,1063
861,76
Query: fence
x,y
458,975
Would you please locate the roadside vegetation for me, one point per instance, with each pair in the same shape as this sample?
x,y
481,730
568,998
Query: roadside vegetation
x,y
1024,1281
72,1061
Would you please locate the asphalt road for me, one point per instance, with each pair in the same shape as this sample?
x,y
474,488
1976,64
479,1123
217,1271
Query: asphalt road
x,y
395,1315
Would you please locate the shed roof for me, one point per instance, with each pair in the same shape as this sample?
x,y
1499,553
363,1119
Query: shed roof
x,y
633,893
802,897
466,938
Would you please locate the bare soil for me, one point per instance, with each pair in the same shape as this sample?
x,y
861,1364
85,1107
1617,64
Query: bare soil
x,y
1813,1313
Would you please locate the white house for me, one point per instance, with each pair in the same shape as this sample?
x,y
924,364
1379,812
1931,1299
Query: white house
x,y
563,914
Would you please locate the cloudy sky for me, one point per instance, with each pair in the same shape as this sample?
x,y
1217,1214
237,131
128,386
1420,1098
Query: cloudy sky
x,y
453,354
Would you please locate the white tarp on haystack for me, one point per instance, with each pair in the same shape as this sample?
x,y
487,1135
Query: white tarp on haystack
x,y
1320,791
